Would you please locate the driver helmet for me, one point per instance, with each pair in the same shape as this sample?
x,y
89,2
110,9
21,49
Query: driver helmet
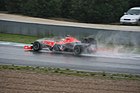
x,y
67,35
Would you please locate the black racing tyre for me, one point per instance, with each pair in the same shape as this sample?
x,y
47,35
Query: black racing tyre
x,y
37,46
89,40
84,41
77,50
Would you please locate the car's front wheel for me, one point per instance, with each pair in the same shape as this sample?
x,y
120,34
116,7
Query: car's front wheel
x,y
37,46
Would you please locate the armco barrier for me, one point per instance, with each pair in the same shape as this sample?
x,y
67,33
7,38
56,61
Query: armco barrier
x,y
107,36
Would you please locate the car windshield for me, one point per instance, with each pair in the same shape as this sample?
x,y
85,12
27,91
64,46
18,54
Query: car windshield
x,y
133,12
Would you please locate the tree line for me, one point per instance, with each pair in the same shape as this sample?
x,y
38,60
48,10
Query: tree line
x,y
90,11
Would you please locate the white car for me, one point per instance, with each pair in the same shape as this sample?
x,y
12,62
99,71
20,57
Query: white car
x,y
132,16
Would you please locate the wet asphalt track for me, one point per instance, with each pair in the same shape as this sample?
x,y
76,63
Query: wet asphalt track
x,y
17,56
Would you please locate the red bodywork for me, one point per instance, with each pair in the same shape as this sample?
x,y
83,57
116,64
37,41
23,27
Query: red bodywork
x,y
61,42
51,43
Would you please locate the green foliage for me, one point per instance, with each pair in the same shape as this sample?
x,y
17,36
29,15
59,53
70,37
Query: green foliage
x,y
93,11
2,5
13,6
17,38
134,3
99,11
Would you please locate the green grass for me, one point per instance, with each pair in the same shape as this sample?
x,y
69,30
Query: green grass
x,y
61,71
17,38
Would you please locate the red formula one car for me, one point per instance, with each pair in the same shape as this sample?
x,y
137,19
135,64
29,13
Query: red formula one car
x,y
67,44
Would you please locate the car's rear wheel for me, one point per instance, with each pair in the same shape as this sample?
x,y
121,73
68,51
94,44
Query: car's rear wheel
x,y
77,50
89,40
37,46
92,45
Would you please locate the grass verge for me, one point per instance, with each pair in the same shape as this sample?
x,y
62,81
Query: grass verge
x,y
59,71
17,38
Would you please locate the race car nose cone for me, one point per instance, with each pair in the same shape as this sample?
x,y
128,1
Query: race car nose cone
x,y
27,48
